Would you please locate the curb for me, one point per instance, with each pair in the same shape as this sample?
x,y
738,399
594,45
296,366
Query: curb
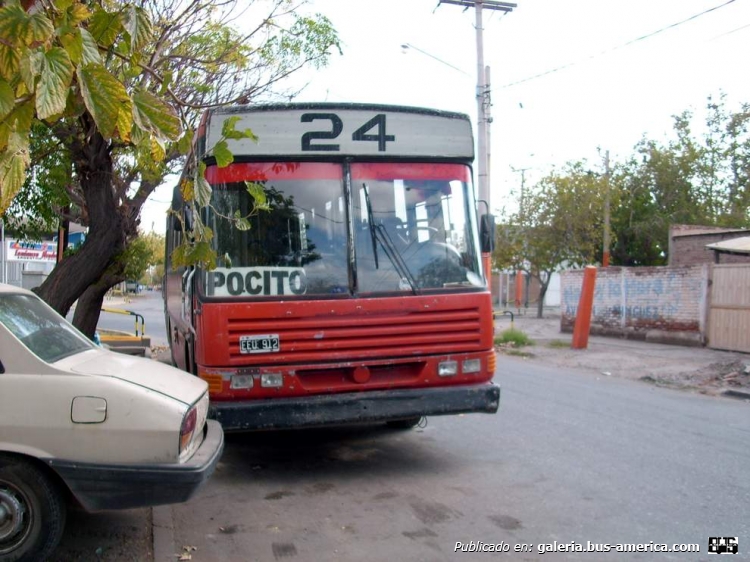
x,y
736,394
162,523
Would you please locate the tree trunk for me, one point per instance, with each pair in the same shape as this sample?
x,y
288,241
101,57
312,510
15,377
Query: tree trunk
x,y
86,316
543,286
105,241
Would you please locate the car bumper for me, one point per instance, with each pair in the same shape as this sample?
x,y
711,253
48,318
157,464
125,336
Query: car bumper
x,y
102,486
355,407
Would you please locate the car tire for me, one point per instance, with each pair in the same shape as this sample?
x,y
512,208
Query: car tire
x,y
32,511
407,423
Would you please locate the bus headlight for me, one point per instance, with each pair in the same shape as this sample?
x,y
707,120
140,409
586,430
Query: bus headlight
x,y
272,380
240,382
471,366
447,368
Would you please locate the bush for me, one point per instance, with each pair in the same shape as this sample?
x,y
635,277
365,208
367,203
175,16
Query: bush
x,y
516,338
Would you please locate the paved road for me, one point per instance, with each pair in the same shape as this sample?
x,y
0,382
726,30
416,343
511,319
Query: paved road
x,y
570,457
149,304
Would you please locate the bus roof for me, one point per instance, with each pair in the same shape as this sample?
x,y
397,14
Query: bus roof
x,y
338,130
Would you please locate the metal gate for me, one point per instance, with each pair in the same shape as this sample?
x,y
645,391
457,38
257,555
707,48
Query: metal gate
x,y
729,312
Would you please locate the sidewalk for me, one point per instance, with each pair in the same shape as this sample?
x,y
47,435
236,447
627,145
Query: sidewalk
x,y
698,369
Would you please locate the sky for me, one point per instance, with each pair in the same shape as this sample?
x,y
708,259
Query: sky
x,y
569,79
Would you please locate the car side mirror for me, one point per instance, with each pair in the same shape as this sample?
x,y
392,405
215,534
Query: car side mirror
x,y
487,233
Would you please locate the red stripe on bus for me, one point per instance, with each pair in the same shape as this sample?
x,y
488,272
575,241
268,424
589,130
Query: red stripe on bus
x,y
410,171
261,171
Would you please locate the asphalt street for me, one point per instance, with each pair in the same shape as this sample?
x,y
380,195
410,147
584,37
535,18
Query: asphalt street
x,y
575,454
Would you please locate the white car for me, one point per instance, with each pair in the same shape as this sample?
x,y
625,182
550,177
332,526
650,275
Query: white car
x,y
81,423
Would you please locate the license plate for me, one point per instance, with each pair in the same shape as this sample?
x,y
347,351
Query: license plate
x,y
259,344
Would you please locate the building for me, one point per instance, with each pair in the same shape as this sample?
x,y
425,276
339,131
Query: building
x,y
688,245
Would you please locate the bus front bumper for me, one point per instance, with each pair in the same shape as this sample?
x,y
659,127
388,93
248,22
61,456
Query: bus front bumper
x,y
355,407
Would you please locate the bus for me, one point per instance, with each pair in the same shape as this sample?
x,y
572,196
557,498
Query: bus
x,y
357,295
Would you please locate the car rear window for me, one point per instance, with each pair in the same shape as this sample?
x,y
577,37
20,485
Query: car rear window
x,y
44,332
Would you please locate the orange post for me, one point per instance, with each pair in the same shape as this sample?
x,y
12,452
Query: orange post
x,y
585,308
487,265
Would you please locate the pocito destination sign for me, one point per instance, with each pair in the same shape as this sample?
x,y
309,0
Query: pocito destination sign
x,y
257,281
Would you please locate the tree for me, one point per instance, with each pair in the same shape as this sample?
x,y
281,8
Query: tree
x,y
701,180
559,223
142,254
116,89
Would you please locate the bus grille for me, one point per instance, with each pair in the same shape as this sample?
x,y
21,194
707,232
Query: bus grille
x,y
340,337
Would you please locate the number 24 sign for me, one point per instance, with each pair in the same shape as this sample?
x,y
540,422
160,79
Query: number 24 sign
x,y
372,131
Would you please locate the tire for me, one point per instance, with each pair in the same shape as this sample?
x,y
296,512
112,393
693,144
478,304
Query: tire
x,y
32,511
407,423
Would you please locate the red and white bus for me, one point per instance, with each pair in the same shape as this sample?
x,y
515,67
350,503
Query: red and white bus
x,y
358,296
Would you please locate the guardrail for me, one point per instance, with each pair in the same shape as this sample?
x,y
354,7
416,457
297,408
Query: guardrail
x,y
123,342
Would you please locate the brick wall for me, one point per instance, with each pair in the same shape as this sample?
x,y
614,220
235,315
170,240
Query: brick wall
x,y
691,249
656,303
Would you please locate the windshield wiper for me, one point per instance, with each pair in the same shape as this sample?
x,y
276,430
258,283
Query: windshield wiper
x,y
371,222
378,233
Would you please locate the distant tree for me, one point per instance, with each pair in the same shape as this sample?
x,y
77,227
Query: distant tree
x,y
144,253
110,92
558,223
691,179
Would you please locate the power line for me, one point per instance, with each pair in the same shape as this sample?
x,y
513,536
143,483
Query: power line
x,y
622,46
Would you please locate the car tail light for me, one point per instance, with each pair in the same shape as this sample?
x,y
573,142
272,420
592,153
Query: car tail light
x,y
188,428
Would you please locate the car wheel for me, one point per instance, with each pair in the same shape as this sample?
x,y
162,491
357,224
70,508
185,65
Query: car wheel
x,y
32,511
408,423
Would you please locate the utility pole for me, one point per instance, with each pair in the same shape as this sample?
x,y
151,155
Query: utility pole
x,y
521,208
483,105
605,249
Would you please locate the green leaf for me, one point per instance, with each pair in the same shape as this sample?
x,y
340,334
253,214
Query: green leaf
x,y
185,143
73,43
257,192
242,223
157,149
7,99
202,190
155,115
57,73
76,13
18,27
90,53
30,66
105,98
202,254
138,25
9,61
223,155
13,24
228,130
39,28
228,127
105,27
13,163
166,81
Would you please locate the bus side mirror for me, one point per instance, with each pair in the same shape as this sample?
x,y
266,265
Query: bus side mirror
x,y
187,213
487,233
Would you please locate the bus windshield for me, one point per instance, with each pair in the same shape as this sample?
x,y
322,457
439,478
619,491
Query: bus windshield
x,y
410,229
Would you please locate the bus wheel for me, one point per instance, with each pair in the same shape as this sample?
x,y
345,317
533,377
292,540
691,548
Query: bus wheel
x,y
407,423
32,511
